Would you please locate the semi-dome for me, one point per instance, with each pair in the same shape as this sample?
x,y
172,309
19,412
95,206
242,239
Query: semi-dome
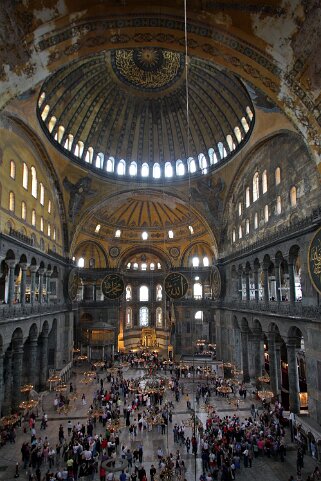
x,y
123,113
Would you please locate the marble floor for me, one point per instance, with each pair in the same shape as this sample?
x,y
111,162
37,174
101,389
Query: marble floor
x,y
273,470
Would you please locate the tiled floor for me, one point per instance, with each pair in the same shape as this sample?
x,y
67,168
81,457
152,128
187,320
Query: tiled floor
x,y
273,470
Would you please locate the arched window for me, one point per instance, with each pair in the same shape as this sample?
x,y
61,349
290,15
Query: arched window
x,y
33,217
159,265
79,149
256,192
277,176
11,201
92,263
49,206
202,163
49,230
240,209
152,266
34,182
121,167
278,205
135,266
143,316
42,194
238,134
230,142
249,113
191,230
52,123
54,234
266,213
206,261
12,169
25,173
247,226
159,317
110,164
180,167
240,232
129,292
99,160
128,265
170,234
69,142
41,99
60,133
144,235
221,149
45,112
191,165
143,266
159,292
23,210
264,182
293,196
89,155
118,233
197,290
199,315
195,262
129,317
168,169
133,169
245,124
233,235
41,224
81,262
256,220
156,171
212,156
143,293
247,197
145,170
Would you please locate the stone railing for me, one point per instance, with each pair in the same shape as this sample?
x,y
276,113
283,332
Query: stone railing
x,y
21,237
19,311
282,308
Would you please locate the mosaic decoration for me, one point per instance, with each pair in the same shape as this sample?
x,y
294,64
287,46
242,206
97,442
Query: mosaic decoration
x,y
314,261
176,285
150,68
112,286
216,283
114,252
73,281
174,252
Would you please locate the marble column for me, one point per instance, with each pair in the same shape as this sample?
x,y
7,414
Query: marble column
x,y
273,363
258,354
47,284
291,283
278,366
245,355
16,375
266,284
43,373
240,287
41,276
278,283
23,282
293,376
1,381
11,264
247,284
6,405
33,270
33,352
256,285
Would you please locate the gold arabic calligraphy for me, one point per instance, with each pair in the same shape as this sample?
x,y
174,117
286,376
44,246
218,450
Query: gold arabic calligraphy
x,y
176,285
112,286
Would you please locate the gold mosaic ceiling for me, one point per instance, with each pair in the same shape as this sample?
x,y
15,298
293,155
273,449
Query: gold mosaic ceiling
x,y
130,104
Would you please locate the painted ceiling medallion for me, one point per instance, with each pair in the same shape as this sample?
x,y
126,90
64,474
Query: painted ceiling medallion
x,y
150,68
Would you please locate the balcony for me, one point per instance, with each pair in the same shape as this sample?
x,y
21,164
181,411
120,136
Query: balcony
x,y
17,311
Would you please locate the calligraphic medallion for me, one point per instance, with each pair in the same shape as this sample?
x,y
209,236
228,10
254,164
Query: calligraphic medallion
x,y
314,261
73,281
175,285
216,283
112,286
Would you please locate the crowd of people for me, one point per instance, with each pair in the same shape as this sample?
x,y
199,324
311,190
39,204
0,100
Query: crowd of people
x,y
109,446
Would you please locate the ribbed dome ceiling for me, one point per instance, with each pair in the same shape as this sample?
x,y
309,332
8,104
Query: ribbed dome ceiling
x,y
130,105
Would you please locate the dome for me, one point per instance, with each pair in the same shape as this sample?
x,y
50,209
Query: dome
x,y
123,114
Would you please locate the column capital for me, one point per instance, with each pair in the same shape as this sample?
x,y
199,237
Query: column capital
x,y
33,269
11,263
41,271
23,266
